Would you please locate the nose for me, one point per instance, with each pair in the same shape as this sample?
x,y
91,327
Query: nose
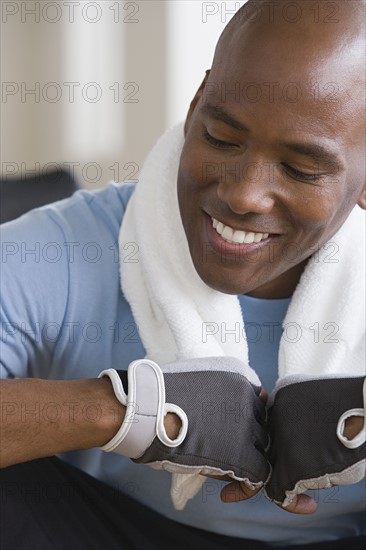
x,y
246,187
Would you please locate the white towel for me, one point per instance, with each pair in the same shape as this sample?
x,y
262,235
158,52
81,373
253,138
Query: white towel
x,y
174,309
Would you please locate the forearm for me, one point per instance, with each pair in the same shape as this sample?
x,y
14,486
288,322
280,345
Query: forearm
x,y
43,417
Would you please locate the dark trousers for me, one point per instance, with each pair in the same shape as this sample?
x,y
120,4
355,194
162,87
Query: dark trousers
x,y
48,504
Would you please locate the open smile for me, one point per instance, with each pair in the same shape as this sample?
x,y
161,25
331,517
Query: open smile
x,y
234,236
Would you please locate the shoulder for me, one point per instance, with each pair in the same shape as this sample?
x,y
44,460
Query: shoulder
x,y
84,213
49,240
58,262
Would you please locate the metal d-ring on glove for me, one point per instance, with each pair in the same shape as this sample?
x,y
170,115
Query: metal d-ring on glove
x,y
223,419
308,447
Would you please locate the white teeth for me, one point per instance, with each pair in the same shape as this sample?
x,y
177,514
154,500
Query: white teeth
x,y
249,238
227,234
237,237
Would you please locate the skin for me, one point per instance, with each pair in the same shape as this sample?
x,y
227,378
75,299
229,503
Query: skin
x,y
256,138
80,414
299,215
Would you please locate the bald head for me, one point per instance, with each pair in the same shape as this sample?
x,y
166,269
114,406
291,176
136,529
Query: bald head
x,y
322,44
293,12
306,30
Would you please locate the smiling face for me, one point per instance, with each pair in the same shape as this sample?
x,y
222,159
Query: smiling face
x,y
274,156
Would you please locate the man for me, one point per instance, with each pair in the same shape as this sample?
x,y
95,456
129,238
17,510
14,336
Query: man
x,y
265,105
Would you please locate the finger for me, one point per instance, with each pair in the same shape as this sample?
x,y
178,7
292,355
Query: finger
x,y
301,504
236,491
220,478
263,396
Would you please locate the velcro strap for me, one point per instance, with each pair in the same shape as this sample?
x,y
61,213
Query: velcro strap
x,y
145,410
138,429
360,438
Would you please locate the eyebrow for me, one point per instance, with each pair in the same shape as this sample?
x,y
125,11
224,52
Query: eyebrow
x,y
214,111
313,150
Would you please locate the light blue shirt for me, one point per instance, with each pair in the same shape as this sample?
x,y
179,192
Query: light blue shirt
x,y
63,316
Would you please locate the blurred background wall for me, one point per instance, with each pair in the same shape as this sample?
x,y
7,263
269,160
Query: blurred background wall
x,y
89,86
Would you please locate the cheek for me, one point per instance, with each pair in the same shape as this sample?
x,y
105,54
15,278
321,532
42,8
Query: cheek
x,y
190,178
315,207
198,163
319,216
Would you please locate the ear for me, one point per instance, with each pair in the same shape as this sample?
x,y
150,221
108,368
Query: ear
x,y
362,199
194,102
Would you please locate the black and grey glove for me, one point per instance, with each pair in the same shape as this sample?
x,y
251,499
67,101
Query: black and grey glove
x,y
308,447
223,419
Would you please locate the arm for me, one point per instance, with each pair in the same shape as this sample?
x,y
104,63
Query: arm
x,y
43,417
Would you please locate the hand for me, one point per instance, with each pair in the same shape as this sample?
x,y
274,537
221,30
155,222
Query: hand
x,y
315,438
235,491
221,413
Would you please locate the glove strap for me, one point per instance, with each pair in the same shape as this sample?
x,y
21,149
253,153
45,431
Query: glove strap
x,y
359,439
145,410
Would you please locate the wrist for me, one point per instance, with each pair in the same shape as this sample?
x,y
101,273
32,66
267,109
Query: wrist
x,y
105,413
113,413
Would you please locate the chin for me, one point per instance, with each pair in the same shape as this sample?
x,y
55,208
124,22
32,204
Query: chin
x,y
223,283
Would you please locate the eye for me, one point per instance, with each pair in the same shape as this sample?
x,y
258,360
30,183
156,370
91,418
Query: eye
x,y
302,176
217,142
